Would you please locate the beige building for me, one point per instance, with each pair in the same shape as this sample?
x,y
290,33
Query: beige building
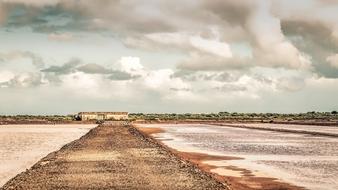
x,y
103,115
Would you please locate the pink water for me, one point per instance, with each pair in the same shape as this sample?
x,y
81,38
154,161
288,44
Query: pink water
x,y
299,159
23,145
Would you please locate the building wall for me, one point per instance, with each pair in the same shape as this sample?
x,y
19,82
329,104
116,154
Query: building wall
x,y
88,116
100,116
116,117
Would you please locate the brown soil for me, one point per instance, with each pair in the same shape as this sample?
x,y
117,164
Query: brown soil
x,y
113,157
246,182
152,130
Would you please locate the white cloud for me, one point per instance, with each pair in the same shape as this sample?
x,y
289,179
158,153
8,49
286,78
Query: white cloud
x,y
211,46
271,47
163,79
131,65
6,76
192,42
333,60
36,60
60,37
159,78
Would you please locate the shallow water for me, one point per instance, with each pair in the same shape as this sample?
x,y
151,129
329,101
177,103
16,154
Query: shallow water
x,y
308,128
23,145
302,160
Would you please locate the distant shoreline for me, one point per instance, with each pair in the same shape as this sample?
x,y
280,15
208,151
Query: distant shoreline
x,y
303,122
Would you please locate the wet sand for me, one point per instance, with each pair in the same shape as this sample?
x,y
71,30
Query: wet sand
x,y
24,145
113,157
263,159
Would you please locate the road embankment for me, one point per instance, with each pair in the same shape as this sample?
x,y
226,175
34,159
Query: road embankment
x,y
113,157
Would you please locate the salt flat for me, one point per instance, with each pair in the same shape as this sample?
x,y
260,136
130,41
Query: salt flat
x,y
24,145
299,159
332,130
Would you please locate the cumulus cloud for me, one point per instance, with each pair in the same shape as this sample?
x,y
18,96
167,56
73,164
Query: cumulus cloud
x,y
333,60
129,66
6,76
132,65
271,47
213,31
316,38
66,68
213,50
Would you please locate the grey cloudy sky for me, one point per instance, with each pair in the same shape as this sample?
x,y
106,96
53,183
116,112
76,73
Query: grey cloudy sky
x,y
65,56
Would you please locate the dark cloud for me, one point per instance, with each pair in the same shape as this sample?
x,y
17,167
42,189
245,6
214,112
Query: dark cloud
x,y
180,89
231,88
23,80
75,65
314,32
220,76
85,16
120,75
233,12
45,18
66,68
113,74
93,68
316,39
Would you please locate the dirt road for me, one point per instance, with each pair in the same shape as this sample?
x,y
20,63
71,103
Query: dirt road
x,y
113,157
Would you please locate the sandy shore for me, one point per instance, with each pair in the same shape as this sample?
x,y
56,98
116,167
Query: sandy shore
x,y
246,180
113,157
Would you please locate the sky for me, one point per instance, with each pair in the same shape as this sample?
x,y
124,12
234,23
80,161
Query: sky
x,y
67,56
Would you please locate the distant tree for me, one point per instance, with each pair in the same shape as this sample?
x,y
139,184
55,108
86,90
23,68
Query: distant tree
x,y
334,112
234,114
223,113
